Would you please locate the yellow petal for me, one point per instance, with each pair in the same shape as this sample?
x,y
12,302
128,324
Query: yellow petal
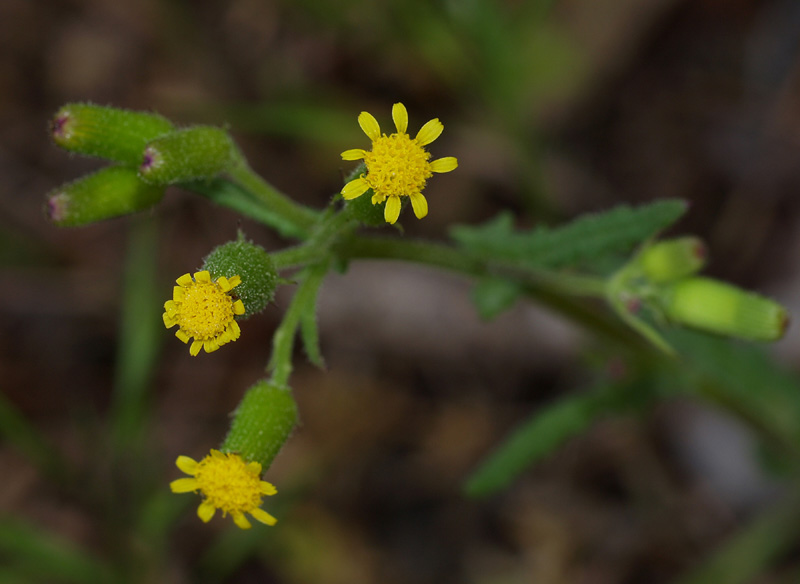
x,y
185,280
445,164
235,330
420,204
254,468
210,345
400,117
354,154
355,188
392,210
263,516
184,485
240,520
178,293
186,464
370,125
203,277
206,511
169,320
224,284
268,488
429,132
195,348
238,307
378,198
182,335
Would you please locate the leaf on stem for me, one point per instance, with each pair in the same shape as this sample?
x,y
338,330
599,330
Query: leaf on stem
x,y
590,238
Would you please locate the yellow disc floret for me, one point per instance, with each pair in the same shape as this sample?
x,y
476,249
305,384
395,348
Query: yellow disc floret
x,y
397,166
227,483
204,311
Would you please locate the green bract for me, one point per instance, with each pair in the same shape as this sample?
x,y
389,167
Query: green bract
x,y
111,133
253,265
109,192
672,259
721,308
262,423
194,153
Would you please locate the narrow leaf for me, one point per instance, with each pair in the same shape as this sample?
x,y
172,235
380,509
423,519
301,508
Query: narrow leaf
x,y
545,431
587,238
224,192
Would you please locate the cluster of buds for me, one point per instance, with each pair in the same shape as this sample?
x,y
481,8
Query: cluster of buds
x,y
664,277
146,151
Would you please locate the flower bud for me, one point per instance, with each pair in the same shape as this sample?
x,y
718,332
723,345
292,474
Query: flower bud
x,y
261,423
721,308
253,265
109,192
112,133
673,259
199,152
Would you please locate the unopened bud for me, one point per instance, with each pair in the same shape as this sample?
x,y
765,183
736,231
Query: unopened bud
x,y
721,308
109,192
673,259
253,265
195,153
111,133
261,423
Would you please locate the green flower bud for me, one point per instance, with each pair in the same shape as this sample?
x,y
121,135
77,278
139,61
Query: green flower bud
x,y
253,265
193,153
261,423
109,192
112,133
673,259
721,308
362,210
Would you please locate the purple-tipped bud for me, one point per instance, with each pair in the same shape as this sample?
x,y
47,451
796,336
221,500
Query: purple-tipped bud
x,y
111,133
109,192
199,152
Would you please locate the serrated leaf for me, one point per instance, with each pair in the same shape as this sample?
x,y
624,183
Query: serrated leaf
x,y
587,238
494,295
540,435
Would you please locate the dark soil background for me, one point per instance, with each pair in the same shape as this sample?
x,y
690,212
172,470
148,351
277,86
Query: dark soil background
x,y
641,99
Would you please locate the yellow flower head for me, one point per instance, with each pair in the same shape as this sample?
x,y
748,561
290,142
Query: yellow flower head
x,y
397,166
204,311
228,483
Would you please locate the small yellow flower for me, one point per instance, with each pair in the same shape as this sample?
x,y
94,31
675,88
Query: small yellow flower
x,y
204,311
228,483
397,166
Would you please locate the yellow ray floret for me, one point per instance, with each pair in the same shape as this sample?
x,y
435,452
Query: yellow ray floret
x,y
228,483
204,311
398,165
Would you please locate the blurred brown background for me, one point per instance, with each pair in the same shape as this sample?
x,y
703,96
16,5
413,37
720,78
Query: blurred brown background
x,y
620,101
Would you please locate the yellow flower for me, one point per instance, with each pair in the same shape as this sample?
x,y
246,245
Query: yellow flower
x,y
228,483
397,165
204,311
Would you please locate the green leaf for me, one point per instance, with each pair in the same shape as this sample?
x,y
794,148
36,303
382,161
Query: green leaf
x,y
493,296
588,238
48,558
228,194
743,379
541,434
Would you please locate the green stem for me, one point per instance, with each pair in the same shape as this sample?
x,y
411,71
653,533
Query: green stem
x,y
547,291
283,341
298,255
300,216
